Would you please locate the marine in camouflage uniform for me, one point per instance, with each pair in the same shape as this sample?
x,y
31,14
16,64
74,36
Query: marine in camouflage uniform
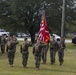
x,y
3,43
8,38
37,54
11,50
61,44
44,50
15,41
53,49
24,51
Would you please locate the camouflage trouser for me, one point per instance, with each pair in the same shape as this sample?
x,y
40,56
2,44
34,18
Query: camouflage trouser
x,y
61,56
2,48
11,56
38,60
24,58
44,54
52,55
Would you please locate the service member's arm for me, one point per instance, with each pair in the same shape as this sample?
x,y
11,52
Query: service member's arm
x,y
33,50
64,46
6,48
43,45
51,46
21,49
15,41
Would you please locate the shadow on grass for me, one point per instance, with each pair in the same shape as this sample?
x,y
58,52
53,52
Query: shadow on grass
x,y
49,68
57,70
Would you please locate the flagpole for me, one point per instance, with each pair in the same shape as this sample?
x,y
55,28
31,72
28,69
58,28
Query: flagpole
x,y
63,23
63,19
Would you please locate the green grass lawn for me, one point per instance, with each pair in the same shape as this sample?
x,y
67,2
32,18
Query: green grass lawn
x,y
68,67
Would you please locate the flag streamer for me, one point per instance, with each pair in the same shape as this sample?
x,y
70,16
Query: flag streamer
x,y
43,32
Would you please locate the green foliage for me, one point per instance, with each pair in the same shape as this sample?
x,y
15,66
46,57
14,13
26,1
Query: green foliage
x,y
24,15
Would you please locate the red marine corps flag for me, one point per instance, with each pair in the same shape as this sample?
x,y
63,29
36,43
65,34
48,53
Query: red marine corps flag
x,y
43,32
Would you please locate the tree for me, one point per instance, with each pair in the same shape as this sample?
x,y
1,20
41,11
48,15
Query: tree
x,y
24,15
70,16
